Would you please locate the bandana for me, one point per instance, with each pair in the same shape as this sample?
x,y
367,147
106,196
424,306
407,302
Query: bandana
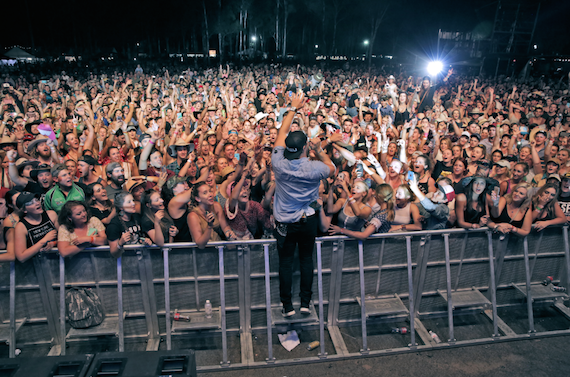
x,y
448,191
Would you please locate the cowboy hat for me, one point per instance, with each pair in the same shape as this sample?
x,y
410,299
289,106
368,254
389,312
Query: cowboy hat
x,y
39,139
7,140
179,143
28,126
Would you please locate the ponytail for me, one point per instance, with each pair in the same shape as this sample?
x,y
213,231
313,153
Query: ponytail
x,y
385,194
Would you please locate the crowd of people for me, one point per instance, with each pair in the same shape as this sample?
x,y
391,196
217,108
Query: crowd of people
x,y
138,158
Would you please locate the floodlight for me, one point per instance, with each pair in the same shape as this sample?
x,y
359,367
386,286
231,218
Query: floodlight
x,y
434,67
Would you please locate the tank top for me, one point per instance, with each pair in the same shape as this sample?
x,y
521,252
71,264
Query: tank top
x,y
7,228
214,236
509,188
98,181
37,232
424,187
181,224
504,218
471,215
402,216
401,116
354,223
127,168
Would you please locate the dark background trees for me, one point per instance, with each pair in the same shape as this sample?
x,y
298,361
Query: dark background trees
x,y
256,27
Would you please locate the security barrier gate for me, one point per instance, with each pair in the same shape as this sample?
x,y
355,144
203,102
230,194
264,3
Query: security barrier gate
x,y
426,281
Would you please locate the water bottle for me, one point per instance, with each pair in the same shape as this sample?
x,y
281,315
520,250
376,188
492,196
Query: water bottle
x,y
208,309
557,288
547,281
434,337
401,330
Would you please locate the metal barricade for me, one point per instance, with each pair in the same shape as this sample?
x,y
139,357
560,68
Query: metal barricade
x,y
359,287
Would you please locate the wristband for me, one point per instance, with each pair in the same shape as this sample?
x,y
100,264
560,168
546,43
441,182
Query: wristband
x,y
92,239
151,142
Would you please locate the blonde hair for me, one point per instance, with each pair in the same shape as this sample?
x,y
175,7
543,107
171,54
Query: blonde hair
x,y
385,194
527,201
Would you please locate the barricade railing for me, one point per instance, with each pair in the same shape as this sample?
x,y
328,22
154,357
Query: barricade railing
x,y
409,276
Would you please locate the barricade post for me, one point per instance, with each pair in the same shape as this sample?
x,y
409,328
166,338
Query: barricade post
x,y
493,286
165,252
270,358
225,361
12,339
411,292
322,353
528,290
448,285
62,311
120,304
365,350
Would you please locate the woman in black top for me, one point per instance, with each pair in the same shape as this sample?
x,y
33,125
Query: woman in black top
x,y
545,208
125,228
101,207
511,214
152,210
37,230
9,224
471,206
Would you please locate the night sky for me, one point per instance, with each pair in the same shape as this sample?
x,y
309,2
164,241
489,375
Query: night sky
x,y
409,25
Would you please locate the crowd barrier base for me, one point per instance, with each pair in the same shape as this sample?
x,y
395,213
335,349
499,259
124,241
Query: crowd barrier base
x,y
390,294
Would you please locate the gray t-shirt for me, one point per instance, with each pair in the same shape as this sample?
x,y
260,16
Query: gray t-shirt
x,y
112,192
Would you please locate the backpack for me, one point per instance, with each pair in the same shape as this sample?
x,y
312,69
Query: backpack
x,y
84,308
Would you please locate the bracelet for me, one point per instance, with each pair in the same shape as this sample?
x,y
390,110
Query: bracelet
x,y
11,163
92,239
151,142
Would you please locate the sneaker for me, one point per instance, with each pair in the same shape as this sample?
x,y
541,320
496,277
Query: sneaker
x,y
305,310
288,313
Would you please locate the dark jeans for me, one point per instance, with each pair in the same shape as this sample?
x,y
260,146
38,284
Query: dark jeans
x,y
303,235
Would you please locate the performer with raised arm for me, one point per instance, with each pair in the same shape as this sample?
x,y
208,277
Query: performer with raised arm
x,y
297,181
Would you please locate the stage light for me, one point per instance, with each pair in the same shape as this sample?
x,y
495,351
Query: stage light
x,y
253,38
434,68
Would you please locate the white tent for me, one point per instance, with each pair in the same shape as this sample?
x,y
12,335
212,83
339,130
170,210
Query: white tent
x,y
17,53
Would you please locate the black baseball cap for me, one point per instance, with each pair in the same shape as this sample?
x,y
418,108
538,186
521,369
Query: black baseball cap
x,y
90,160
43,167
24,198
295,142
